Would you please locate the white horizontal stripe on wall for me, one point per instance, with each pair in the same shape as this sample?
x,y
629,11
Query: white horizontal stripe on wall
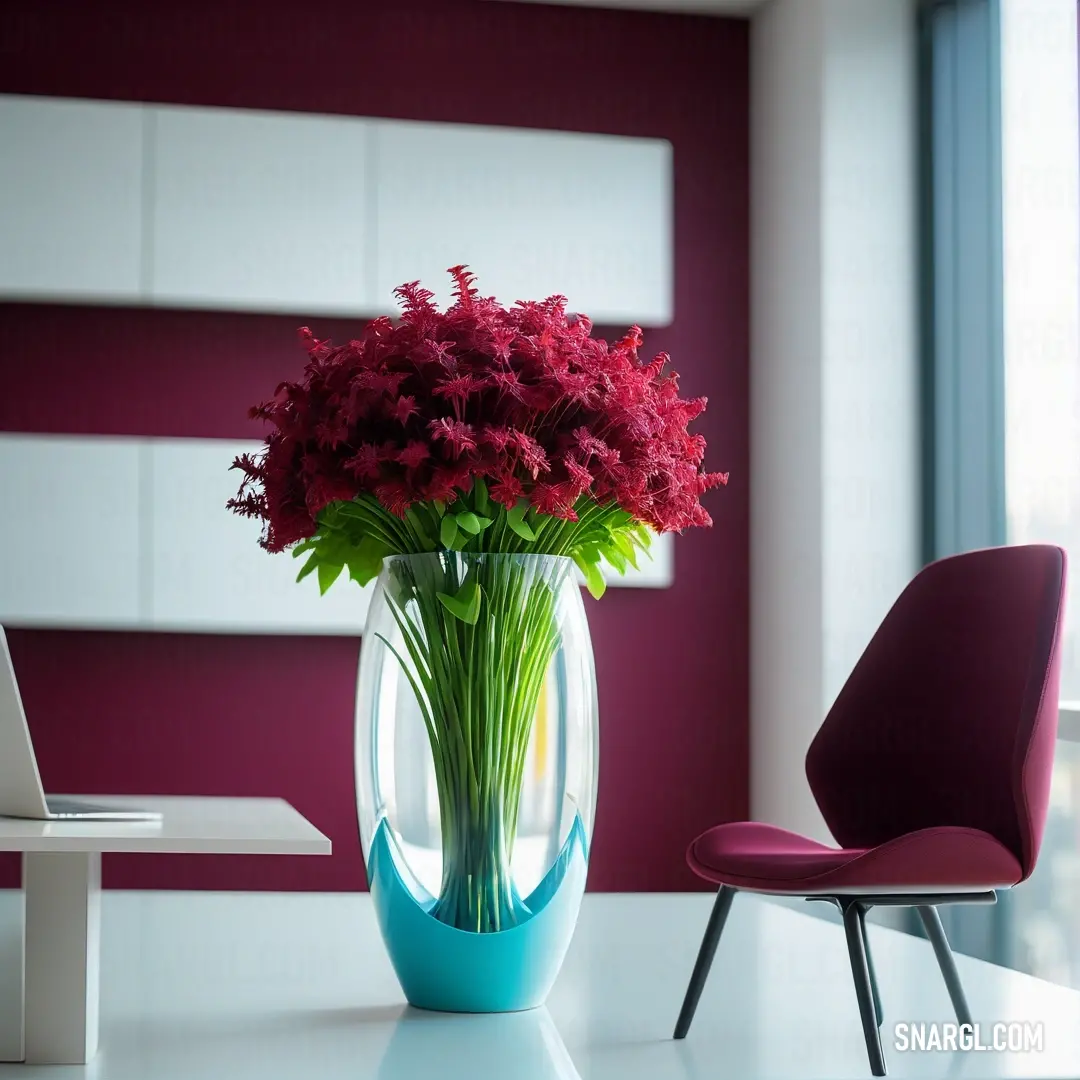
x,y
73,534
71,176
206,570
133,533
258,211
533,212
250,210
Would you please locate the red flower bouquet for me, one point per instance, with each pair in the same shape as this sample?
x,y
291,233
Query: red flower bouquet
x,y
477,429
468,456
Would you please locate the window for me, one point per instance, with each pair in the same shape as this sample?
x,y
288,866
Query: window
x,y
1040,118
1000,125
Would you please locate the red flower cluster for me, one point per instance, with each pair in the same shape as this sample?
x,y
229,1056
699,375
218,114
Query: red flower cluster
x,y
525,398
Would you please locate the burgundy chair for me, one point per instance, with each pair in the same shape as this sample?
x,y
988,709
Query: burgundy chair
x,y
932,769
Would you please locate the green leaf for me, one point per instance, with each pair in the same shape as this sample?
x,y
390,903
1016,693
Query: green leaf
x,y
626,547
310,565
360,573
328,574
615,558
349,509
365,560
471,523
420,529
594,580
374,548
466,605
448,531
590,552
480,495
515,518
305,545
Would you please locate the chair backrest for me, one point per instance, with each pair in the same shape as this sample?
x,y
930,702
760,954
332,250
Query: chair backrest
x,y
950,715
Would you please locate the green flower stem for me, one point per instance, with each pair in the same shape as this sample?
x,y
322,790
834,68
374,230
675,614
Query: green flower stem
x,y
480,686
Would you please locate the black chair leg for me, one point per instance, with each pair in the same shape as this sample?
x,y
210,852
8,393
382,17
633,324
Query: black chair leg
x,y
854,930
878,1015
936,933
704,959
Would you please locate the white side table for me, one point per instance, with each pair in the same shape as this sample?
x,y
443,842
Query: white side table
x,y
61,882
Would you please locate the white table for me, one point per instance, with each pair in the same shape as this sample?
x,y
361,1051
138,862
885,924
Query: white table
x,y
57,979
286,986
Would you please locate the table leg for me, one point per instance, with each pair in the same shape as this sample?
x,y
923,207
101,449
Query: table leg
x,y
11,975
63,931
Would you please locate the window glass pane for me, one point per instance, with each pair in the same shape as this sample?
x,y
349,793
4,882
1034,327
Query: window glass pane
x,y
1041,240
1046,909
1042,464
1041,253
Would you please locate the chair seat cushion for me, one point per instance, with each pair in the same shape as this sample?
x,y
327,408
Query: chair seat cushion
x,y
752,855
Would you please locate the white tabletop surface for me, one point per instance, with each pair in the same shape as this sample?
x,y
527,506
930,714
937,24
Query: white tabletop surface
x,y
257,986
191,825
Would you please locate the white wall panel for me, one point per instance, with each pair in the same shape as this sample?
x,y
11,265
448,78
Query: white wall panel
x,y
133,533
208,573
71,175
260,211
532,213
207,570
70,541
298,213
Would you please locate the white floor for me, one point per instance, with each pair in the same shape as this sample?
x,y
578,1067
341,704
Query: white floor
x,y
260,987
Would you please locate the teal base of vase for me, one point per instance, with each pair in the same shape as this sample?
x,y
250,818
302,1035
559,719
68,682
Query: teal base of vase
x,y
445,969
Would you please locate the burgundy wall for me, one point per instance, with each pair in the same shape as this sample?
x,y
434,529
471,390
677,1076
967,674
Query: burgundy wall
x,y
134,712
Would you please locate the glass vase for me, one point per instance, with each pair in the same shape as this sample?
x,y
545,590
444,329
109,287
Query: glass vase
x,y
476,767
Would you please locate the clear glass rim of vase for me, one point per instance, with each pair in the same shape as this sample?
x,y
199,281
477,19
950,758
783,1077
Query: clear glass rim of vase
x,y
516,556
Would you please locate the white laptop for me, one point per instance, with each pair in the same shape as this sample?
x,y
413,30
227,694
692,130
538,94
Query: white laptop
x,y
21,795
